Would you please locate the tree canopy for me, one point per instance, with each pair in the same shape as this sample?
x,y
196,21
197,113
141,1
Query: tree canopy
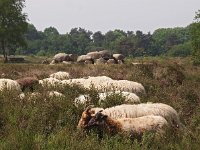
x,y
195,35
13,25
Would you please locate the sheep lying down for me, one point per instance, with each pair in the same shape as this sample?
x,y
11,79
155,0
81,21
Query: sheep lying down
x,y
127,125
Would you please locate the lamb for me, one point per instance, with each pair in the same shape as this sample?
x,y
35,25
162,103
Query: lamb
x,y
137,110
9,84
60,75
128,125
28,83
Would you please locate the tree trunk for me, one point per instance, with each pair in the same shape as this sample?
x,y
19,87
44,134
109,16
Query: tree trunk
x,y
4,51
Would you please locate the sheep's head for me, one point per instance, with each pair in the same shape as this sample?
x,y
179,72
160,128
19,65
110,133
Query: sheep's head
x,y
86,116
97,120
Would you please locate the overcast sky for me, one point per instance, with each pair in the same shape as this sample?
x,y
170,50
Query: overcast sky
x,y
105,15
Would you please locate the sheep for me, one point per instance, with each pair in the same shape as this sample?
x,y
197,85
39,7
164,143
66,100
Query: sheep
x,y
118,57
100,61
129,97
34,95
9,84
83,58
138,110
28,83
105,54
94,55
104,83
60,57
60,75
136,126
129,86
50,82
111,61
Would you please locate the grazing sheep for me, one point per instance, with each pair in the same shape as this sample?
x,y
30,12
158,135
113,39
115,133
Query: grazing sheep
x,y
111,61
100,61
118,56
50,94
104,84
73,57
60,57
9,84
94,55
129,86
129,97
83,58
28,83
55,94
131,125
105,54
138,110
49,82
60,75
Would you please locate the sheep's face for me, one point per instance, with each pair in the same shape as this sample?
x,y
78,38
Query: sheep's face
x,y
98,120
85,118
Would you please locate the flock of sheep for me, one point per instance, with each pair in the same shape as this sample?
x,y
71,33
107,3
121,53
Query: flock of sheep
x,y
97,57
133,117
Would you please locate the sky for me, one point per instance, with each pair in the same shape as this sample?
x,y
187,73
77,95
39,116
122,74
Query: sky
x,y
105,15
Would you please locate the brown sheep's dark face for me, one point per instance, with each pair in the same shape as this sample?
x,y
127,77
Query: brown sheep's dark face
x,y
98,120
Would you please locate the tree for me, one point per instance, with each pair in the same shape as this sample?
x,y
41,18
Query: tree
x,y
195,36
13,25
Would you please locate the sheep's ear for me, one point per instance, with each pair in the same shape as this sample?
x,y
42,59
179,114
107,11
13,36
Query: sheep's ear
x,y
88,108
100,111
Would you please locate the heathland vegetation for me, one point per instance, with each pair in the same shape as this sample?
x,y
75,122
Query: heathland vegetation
x,y
41,121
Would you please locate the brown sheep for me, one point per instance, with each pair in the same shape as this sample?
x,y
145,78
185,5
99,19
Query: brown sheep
x,y
28,83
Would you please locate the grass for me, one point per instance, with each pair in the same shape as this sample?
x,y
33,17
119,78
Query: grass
x,y
50,123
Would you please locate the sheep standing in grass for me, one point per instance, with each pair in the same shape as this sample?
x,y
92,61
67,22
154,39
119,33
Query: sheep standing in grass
x,y
128,125
9,84
137,110
60,75
105,84
28,83
49,82
129,97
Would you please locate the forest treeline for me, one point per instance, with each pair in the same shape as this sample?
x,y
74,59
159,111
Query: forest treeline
x,y
164,41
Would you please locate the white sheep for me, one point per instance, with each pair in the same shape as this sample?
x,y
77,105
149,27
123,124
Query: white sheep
x,y
128,125
129,97
9,84
137,110
50,82
129,86
60,75
106,84
55,94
